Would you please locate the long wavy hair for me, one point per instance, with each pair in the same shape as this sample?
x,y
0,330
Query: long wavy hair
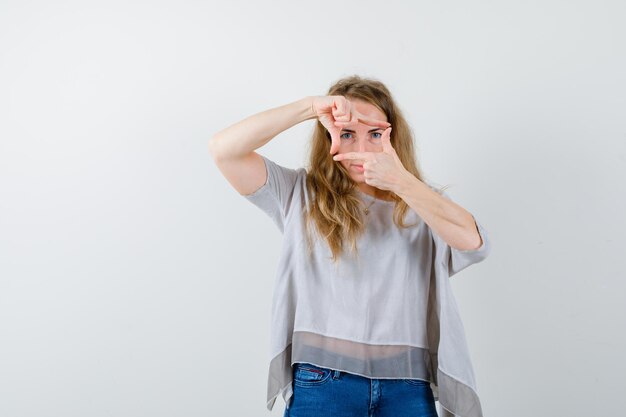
x,y
334,205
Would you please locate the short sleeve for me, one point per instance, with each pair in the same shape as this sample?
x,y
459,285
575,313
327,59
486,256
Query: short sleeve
x,y
276,195
457,260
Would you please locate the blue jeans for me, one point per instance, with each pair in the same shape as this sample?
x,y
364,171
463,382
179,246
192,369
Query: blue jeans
x,y
322,392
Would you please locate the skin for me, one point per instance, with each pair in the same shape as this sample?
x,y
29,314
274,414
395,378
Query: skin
x,y
337,112
363,137
382,170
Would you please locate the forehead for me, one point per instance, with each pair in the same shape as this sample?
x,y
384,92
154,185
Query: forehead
x,y
369,110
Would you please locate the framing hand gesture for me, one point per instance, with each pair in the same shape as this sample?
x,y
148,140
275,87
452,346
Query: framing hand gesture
x,y
337,112
382,170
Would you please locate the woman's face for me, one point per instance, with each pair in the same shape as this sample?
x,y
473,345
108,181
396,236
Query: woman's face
x,y
361,138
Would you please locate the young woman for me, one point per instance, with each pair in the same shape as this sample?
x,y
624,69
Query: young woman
x,y
364,322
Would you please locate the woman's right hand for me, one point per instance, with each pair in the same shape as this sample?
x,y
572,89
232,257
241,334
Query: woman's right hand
x,y
337,112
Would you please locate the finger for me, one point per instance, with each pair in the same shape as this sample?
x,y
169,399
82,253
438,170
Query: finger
x,y
341,117
334,140
348,108
354,118
354,121
369,163
344,124
326,121
373,122
386,140
340,105
354,155
342,113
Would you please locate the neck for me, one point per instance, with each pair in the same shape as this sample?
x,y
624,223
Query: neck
x,y
374,192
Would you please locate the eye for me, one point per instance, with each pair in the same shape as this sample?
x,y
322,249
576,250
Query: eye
x,y
377,133
347,133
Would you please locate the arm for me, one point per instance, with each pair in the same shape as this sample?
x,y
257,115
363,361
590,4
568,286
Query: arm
x,y
242,138
455,225
233,148
449,221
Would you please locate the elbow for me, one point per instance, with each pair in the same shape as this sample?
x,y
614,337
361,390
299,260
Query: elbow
x,y
477,238
474,236
473,239
214,147
221,148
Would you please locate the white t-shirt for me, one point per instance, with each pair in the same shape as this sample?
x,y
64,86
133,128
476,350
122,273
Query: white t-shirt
x,y
380,314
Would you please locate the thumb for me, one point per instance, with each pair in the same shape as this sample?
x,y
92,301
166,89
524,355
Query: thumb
x,y
386,141
334,140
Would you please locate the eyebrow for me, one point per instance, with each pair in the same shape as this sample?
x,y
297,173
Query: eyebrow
x,y
352,131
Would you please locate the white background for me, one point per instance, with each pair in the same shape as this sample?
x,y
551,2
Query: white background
x,y
135,281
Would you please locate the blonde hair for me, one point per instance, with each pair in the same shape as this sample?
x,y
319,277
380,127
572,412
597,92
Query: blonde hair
x,y
334,205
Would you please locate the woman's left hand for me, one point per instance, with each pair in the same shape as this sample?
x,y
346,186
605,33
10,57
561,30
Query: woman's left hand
x,y
381,169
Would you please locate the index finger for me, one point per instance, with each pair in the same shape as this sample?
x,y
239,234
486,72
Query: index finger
x,y
373,122
354,155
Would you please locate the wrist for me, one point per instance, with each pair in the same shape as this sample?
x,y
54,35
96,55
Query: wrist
x,y
405,185
310,110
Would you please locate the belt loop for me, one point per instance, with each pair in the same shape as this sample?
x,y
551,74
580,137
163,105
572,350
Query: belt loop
x,y
336,373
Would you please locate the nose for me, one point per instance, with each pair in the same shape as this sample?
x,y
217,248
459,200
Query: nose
x,y
361,145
